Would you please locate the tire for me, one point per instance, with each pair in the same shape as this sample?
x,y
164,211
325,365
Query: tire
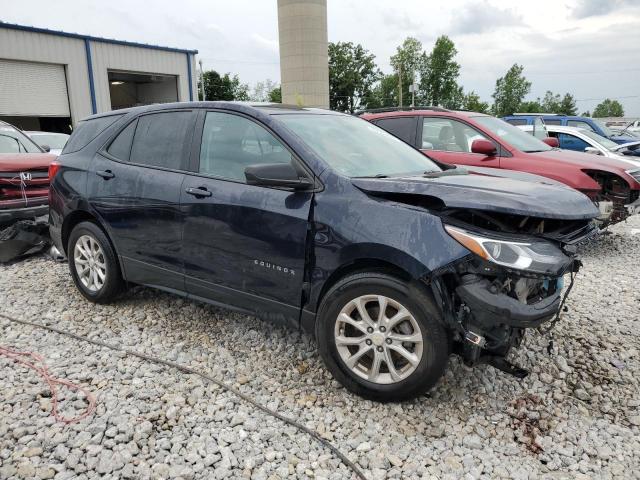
x,y
429,357
105,288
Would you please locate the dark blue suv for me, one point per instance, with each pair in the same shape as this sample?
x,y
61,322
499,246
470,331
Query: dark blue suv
x,y
318,220
593,124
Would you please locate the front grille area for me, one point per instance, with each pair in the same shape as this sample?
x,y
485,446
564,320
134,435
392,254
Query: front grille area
x,y
18,190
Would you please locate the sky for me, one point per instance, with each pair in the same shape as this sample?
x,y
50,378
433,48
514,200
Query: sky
x,y
589,48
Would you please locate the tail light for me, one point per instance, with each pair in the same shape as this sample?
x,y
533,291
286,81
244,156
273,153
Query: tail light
x,y
53,169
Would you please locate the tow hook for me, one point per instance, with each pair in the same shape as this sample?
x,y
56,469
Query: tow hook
x,y
504,365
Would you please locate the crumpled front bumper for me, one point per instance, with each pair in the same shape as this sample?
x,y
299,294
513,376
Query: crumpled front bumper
x,y
490,308
633,208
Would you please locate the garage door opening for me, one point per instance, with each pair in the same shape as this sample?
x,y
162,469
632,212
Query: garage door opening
x,y
133,89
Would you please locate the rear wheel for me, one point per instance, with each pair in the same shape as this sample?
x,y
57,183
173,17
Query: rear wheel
x,y
381,340
93,264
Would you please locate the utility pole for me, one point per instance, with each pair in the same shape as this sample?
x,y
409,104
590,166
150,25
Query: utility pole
x,y
202,80
400,83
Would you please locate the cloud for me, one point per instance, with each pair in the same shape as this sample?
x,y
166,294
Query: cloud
x,y
593,8
271,45
480,17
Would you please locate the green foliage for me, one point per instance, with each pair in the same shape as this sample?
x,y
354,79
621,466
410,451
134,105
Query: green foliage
x,y
262,91
586,114
223,87
568,105
409,60
439,76
472,103
609,108
275,95
352,74
532,106
385,93
510,91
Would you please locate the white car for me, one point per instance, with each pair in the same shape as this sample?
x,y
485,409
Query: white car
x,y
585,140
55,141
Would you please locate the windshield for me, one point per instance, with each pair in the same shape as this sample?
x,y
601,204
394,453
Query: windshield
x,y
53,140
355,147
605,142
14,141
606,130
512,135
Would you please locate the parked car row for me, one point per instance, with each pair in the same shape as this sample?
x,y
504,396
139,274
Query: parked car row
x,y
482,141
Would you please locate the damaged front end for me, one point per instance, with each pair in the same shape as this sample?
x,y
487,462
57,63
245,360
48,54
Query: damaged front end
x,y
512,280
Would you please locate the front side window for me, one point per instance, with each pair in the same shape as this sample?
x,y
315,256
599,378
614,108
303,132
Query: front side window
x,y
231,143
162,139
571,142
356,148
17,142
512,135
448,135
579,124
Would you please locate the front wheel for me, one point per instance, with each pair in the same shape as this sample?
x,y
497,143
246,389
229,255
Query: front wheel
x,y
381,339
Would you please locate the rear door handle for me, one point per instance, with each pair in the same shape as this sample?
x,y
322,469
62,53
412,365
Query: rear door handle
x,y
198,192
106,174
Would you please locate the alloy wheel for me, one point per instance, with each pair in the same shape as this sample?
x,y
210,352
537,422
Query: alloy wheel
x,y
378,339
90,263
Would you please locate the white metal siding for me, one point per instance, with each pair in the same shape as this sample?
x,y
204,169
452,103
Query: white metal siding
x,y
107,56
33,89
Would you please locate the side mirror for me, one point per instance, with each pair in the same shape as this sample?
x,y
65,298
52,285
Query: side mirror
x,y
483,147
552,142
46,148
592,150
276,175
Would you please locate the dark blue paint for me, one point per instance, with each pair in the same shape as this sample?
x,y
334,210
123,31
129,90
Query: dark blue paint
x,y
261,250
92,89
112,41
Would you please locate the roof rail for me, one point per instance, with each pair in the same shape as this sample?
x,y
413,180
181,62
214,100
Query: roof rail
x,y
536,114
400,109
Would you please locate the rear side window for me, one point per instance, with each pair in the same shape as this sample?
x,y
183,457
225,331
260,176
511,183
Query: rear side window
x,y
402,127
552,121
86,131
162,140
120,148
517,121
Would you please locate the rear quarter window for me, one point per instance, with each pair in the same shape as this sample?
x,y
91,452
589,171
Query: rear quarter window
x,y
86,131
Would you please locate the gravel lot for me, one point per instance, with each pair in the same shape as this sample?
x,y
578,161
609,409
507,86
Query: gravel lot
x,y
576,416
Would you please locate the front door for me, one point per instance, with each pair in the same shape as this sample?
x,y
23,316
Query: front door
x,y
449,141
244,245
137,180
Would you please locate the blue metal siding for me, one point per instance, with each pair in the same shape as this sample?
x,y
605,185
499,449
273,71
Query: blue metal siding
x,y
92,89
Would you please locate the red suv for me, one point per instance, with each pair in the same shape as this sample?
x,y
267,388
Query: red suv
x,y
479,140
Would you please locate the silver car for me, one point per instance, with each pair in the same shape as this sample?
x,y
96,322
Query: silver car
x,y
54,141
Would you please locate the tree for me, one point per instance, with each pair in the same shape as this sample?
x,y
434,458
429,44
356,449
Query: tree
x,y
472,103
439,76
385,92
568,105
510,90
609,108
551,102
275,95
262,90
408,61
352,74
586,114
532,106
224,87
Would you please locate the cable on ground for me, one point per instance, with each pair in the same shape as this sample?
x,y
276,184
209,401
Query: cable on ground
x,y
149,358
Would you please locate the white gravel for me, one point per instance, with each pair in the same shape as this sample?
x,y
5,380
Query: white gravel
x,y
576,416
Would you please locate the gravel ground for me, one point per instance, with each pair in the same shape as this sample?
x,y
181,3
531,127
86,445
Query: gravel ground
x,y
576,416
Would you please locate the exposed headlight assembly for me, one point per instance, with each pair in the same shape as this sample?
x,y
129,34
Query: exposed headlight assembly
x,y
538,256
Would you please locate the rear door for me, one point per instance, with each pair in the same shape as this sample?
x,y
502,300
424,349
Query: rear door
x,y
135,187
244,245
449,141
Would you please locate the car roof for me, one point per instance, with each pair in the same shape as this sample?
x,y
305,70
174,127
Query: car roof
x,y
243,107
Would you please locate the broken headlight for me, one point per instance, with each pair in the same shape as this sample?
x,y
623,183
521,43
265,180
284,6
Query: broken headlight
x,y
533,255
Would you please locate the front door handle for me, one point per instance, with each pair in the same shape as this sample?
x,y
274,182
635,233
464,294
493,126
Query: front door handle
x,y
106,174
198,192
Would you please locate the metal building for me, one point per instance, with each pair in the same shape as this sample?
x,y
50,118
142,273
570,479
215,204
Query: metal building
x,y
49,80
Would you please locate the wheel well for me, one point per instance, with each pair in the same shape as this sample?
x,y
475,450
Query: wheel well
x,y
362,265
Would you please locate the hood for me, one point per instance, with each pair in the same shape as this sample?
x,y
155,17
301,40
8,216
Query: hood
x,y
623,138
10,162
587,160
514,174
626,145
496,194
